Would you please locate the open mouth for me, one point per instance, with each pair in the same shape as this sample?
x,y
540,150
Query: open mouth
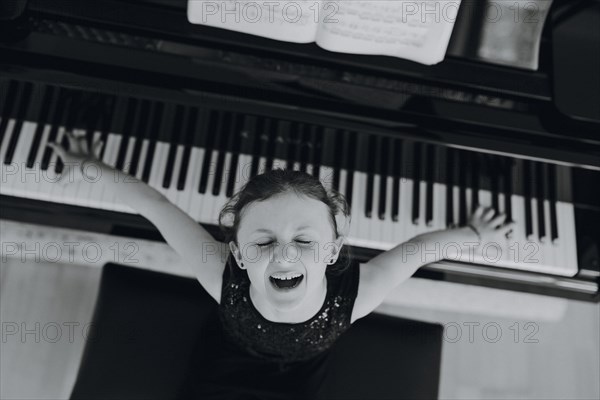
x,y
286,284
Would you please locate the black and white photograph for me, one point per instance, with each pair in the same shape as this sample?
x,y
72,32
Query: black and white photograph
x,y
300,199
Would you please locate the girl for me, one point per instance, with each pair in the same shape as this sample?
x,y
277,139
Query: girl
x,y
284,281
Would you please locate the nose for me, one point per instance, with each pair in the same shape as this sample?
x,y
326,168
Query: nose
x,y
284,253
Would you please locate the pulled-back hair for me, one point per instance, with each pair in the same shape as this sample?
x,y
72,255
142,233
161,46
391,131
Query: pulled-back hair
x,y
279,181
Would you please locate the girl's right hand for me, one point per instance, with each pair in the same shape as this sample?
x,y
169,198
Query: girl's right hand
x,y
77,154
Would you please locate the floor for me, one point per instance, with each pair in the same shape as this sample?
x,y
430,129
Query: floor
x,y
45,309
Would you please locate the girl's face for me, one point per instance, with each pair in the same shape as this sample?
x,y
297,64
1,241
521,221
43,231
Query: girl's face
x,y
286,235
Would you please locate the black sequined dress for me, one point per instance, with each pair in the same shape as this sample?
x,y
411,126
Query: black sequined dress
x,y
253,356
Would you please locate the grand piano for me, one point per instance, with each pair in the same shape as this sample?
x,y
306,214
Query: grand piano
x,y
196,111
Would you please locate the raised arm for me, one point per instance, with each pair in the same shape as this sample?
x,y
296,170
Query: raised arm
x,y
386,271
205,255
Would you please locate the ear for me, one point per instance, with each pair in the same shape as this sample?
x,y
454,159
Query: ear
x,y
339,242
343,224
236,252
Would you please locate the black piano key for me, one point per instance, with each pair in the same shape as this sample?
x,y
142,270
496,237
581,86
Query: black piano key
x,y
55,118
541,195
74,104
178,124
248,144
304,136
344,158
139,130
397,176
152,133
527,187
188,138
23,104
495,183
223,138
508,167
235,145
268,148
282,142
312,156
450,182
212,127
383,150
476,172
372,154
317,150
431,165
338,156
351,166
295,147
48,100
552,201
9,102
416,177
127,132
464,165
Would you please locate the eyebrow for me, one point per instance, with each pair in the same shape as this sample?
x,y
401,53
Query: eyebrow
x,y
269,231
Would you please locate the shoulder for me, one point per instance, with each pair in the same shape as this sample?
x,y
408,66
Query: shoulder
x,y
372,291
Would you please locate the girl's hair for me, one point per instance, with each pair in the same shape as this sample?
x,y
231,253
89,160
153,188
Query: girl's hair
x,y
278,181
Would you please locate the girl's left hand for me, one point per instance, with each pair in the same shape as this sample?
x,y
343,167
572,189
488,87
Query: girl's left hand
x,y
491,228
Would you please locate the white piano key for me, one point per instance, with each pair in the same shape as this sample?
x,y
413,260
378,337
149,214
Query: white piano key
x,y
43,189
326,176
278,163
422,225
197,198
309,169
159,165
142,159
373,232
469,195
186,195
342,185
17,182
439,206
387,235
113,140
262,165
221,198
74,179
357,210
6,139
242,172
208,201
56,190
406,196
128,154
485,198
172,193
86,188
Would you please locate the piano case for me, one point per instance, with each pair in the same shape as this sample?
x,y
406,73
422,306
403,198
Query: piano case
x,y
146,323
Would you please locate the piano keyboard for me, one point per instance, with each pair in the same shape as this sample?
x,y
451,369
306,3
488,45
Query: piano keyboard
x,y
199,157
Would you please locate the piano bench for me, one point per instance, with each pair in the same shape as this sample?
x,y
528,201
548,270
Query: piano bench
x,y
146,323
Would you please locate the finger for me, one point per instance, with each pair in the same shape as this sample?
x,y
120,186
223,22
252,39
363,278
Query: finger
x,y
508,228
488,214
479,211
498,220
59,150
73,142
98,148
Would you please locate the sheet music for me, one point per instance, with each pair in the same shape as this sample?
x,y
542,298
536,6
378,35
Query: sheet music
x,y
418,31
291,21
